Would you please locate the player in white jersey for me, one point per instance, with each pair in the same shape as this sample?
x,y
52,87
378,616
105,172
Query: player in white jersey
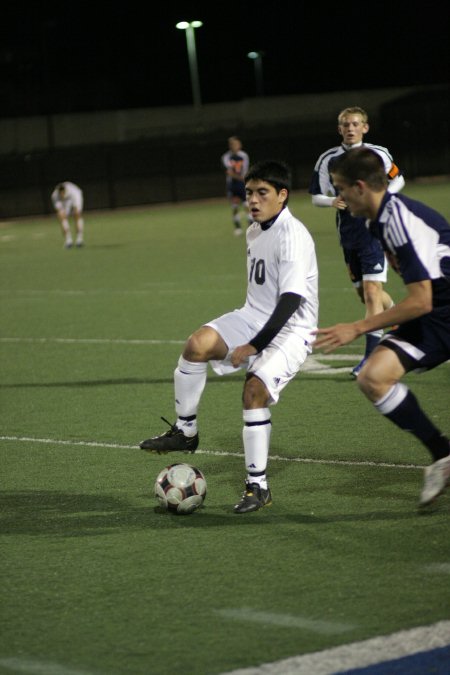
x,y
67,198
417,242
363,255
270,336
236,163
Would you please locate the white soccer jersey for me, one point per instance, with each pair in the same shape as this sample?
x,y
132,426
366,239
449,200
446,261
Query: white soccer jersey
x,y
73,198
282,259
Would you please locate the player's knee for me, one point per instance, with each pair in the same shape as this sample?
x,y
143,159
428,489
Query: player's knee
x,y
194,348
203,345
255,394
371,382
372,293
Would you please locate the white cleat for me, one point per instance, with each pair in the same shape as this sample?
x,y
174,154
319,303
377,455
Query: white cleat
x,y
436,479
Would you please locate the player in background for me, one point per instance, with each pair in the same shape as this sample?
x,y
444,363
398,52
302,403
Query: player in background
x,y
270,336
236,163
417,242
363,255
67,198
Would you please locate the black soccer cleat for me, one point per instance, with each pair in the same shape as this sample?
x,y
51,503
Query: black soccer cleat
x,y
171,441
254,498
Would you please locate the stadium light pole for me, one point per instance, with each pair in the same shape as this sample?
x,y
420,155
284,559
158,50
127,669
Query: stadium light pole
x,y
189,27
256,57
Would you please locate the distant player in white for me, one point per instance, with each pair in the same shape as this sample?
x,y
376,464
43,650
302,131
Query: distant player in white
x,y
236,163
417,242
67,198
270,336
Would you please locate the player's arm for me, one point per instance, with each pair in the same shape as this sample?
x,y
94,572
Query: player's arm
x,y
325,200
419,301
396,182
286,306
320,189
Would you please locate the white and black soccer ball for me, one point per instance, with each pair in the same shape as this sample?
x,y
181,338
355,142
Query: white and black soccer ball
x,y
180,488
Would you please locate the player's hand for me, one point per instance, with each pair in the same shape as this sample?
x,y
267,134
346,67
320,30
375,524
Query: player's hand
x,y
241,354
339,203
335,336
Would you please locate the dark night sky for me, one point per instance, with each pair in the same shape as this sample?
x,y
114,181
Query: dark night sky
x,y
74,57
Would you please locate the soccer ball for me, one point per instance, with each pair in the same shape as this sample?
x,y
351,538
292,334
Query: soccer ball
x,y
180,488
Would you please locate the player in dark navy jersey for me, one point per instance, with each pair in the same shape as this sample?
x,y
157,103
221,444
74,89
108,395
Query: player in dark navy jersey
x,y
236,163
363,254
416,240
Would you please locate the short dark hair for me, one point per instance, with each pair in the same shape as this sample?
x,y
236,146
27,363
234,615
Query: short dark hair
x,y
361,164
271,171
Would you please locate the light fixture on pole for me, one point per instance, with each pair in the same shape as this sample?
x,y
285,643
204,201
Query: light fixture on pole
x,y
256,57
189,27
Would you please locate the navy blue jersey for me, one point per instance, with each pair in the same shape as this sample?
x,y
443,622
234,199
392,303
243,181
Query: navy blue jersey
x,y
238,162
352,231
416,239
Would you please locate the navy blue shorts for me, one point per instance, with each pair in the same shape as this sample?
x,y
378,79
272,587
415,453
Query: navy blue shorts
x,y
424,343
236,189
368,263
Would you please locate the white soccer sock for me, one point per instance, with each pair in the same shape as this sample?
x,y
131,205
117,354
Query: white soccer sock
x,y
80,228
256,437
66,229
189,381
392,399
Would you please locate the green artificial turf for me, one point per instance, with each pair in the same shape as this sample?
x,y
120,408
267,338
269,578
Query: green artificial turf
x,y
98,580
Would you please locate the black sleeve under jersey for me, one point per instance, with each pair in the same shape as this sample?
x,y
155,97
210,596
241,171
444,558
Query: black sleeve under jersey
x,y
287,305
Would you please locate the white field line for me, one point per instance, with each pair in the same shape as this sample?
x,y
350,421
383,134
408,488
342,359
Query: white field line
x,y
216,453
120,341
33,667
152,287
93,341
358,654
320,626
167,289
437,568
312,364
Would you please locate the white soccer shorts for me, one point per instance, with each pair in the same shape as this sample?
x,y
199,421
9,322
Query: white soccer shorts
x,y
276,365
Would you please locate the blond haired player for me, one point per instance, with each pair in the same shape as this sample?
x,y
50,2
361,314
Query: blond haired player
x,y
363,255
